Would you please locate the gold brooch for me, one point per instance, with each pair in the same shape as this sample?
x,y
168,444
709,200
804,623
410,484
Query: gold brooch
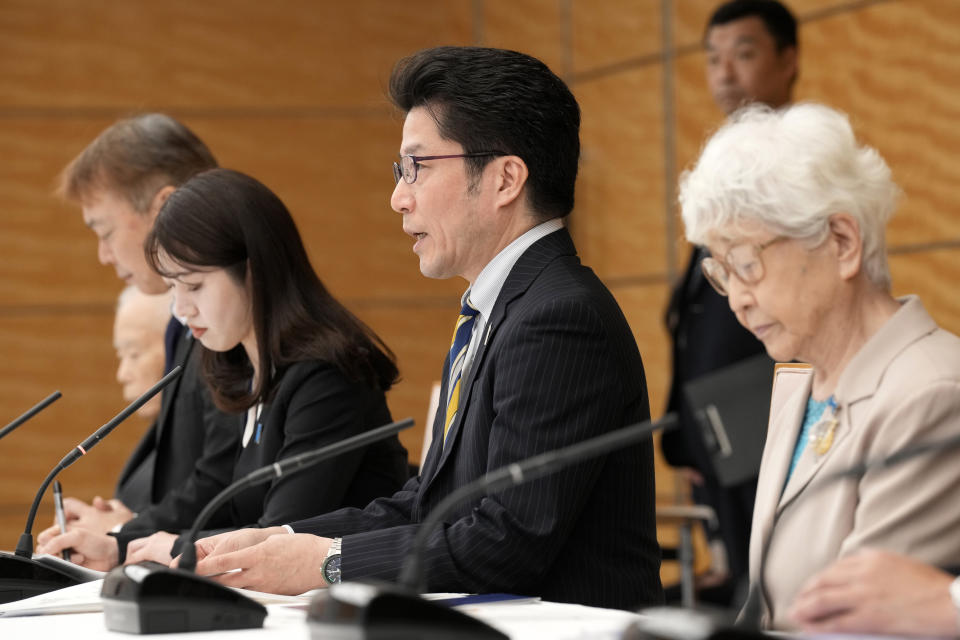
x,y
821,436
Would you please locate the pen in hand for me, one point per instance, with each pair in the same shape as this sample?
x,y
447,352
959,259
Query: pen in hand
x,y
59,514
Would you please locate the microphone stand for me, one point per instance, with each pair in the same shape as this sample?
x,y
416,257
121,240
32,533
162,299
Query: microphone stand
x,y
152,598
390,611
669,623
29,413
22,576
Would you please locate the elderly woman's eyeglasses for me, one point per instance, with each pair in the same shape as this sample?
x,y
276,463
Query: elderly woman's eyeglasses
x,y
409,166
742,259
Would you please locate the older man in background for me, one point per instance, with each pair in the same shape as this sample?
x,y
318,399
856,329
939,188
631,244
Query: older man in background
x,y
138,329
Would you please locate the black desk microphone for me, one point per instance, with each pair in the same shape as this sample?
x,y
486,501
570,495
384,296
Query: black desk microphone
x,y
29,413
153,598
375,611
21,576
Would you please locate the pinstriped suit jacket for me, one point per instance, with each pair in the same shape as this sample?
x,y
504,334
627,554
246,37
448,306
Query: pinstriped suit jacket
x,y
558,365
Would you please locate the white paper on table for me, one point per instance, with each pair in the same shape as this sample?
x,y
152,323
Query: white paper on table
x,y
85,598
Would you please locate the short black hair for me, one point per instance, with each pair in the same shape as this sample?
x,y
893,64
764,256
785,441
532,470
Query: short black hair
x,y
499,100
779,21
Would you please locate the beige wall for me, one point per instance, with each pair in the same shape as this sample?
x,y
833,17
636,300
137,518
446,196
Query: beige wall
x,y
293,93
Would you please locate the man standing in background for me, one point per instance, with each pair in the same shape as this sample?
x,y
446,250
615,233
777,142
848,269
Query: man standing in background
x,y
751,48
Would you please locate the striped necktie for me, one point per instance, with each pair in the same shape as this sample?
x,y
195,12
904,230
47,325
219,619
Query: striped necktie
x,y
458,353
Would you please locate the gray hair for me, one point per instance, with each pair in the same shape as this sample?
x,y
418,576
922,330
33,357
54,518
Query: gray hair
x,y
790,170
157,308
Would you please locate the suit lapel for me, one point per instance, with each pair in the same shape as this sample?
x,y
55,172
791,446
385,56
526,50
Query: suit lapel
x,y
860,380
810,463
776,462
524,272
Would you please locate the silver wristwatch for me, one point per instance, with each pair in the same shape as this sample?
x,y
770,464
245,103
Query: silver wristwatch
x,y
330,569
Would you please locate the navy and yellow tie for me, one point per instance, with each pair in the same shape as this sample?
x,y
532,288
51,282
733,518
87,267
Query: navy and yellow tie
x,y
458,353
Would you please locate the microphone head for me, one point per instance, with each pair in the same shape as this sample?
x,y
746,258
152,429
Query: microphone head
x,y
700,623
153,598
380,611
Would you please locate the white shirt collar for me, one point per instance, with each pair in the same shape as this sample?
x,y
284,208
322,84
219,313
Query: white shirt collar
x,y
486,289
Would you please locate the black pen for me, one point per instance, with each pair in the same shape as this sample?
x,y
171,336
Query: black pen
x,y
59,514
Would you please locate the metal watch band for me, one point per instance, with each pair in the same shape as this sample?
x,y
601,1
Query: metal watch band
x,y
335,545
333,556
955,593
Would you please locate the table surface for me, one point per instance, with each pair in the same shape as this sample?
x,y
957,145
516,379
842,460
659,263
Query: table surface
x,y
519,620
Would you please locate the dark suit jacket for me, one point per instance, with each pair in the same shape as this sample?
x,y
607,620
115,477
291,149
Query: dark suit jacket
x,y
706,336
558,364
184,459
315,405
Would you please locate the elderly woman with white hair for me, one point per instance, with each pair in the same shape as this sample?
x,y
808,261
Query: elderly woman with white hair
x,y
793,211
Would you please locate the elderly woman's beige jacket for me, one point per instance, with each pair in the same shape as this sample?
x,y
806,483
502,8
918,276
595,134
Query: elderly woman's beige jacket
x,y
902,388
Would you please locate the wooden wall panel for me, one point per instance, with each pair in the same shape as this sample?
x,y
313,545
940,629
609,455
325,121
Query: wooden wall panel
x,y
60,54
531,26
609,33
894,68
933,276
71,352
49,257
618,220
419,335
643,307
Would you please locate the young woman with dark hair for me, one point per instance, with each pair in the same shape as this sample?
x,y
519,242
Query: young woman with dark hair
x,y
279,349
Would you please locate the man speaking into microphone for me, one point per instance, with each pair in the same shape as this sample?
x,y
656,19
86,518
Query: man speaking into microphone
x,y
541,357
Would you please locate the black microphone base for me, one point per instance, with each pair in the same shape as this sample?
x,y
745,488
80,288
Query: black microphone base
x,y
153,598
673,623
360,610
22,577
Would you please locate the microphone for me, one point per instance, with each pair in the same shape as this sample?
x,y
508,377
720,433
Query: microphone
x,y
21,576
666,623
384,611
150,597
32,411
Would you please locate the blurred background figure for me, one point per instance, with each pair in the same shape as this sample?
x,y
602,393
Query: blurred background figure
x,y
138,331
751,48
752,52
794,212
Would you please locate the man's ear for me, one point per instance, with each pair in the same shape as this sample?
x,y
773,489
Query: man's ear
x,y
845,234
512,174
159,198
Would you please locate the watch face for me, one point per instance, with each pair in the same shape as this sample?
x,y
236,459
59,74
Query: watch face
x,y
331,569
